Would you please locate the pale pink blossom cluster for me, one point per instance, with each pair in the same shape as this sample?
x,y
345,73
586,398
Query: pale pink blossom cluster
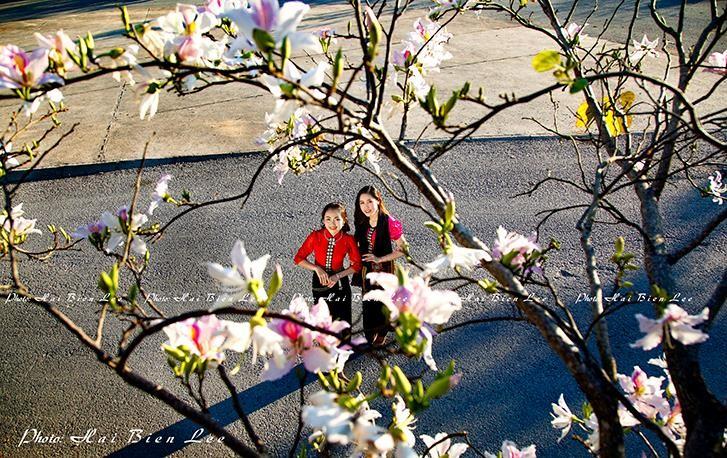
x,y
681,326
415,297
318,351
717,63
363,151
183,32
423,52
279,133
515,250
113,228
208,337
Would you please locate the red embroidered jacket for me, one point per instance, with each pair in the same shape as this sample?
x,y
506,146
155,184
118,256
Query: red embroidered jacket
x,y
330,251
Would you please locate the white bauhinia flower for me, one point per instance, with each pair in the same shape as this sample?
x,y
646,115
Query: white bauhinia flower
x,y
403,421
457,257
123,57
681,327
245,276
161,192
118,225
716,188
573,31
444,447
593,440
645,48
323,414
562,417
21,227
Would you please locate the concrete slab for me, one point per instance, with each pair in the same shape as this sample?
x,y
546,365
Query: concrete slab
x,y
488,51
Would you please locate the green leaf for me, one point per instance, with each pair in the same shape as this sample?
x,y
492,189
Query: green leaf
x,y
263,40
546,60
578,85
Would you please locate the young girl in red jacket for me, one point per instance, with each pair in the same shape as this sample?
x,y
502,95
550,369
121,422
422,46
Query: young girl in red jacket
x,y
330,245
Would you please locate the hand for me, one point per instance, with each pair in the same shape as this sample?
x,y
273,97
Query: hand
x,y
322,276
369,257
332,280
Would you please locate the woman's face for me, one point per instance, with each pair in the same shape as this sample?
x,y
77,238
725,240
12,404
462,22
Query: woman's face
x,y
333,221
369,205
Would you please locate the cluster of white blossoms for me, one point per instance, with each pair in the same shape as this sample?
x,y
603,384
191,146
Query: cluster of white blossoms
x,y
421,53
356,426
16,232
646,395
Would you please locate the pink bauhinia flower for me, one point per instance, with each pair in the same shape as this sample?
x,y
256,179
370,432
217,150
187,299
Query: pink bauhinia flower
x,y
513,249
645,393
510,450
718,63
413,296
161,193
20,70
318,351
573,31
681,326
279,22
59,45
208,337
185,28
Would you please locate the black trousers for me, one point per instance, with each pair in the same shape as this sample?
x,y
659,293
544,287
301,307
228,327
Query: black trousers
x,y
337,297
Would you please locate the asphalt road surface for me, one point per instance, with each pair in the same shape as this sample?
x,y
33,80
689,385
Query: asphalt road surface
x,y
51,384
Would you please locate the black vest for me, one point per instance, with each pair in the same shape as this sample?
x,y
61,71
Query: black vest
x,y
382,245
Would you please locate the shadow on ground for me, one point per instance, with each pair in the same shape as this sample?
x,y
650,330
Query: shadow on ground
x,y
28,9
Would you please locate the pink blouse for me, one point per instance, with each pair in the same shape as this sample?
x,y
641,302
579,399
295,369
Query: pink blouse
x,y
395,230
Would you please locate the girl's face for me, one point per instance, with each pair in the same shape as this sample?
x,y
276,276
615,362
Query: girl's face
x,y
333,221
369,205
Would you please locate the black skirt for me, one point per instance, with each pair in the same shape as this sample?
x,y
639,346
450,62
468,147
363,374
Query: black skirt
x,y
338,297
375,321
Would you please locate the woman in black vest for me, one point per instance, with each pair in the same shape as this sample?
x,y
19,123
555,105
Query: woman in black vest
x,y
375,232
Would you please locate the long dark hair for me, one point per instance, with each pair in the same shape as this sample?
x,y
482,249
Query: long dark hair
x,y
359,219
337,206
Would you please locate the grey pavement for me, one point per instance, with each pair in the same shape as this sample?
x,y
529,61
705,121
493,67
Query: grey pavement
x,y
509,376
